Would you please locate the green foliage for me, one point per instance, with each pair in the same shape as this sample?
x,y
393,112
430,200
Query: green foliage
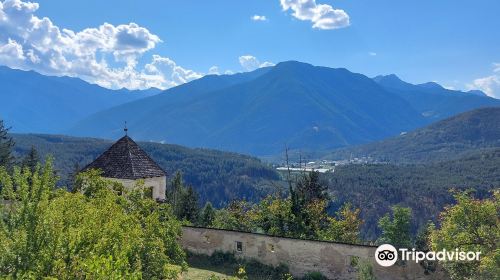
x,y
191,208
241,273
31,159
6,145
396,229
365,270
470,225
310,189
92,234
449,139
207,215
303,214
241,268
184,200
343,228
314,275
216,176
308,206
237,216
422,241
424,188
273,216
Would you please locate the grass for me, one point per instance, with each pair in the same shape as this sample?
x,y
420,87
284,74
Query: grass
x,y
194,273
225,266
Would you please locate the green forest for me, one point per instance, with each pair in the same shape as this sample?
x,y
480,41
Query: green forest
x,y
86,226
217,176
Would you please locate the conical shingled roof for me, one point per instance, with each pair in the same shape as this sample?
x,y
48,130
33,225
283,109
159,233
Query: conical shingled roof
x,y
126,160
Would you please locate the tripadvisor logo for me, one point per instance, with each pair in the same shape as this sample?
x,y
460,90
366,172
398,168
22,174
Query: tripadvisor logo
x,y
387,255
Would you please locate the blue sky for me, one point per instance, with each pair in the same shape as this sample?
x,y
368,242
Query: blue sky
x,y
456,43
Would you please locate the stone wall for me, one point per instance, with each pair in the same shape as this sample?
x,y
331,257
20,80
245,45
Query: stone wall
x,y
158,184
334,260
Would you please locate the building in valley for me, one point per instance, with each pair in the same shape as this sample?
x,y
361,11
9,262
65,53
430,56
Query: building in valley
x,y
127,163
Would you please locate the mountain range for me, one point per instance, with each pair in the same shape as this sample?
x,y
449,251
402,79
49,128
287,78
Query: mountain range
x,y
293,104
433,101
32,102
447,139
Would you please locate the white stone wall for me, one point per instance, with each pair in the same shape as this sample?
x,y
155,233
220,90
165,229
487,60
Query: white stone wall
x,y
158,184
301,256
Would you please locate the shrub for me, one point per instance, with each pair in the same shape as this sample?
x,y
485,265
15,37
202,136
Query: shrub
x,y
314,275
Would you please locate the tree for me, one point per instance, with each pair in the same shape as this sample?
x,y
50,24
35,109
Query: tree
x,y
422,244
31,160
208,215
470,225
190,208
6,145
49,233
239,215
310,188
345,227
396,230
176,194
273,216
309,201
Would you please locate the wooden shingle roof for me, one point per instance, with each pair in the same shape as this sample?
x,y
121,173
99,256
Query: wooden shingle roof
x,y
126,160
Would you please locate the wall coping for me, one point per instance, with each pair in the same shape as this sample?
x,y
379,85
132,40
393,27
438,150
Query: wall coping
x,y
282,237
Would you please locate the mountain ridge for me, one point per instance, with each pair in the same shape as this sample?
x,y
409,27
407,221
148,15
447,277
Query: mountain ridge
x,y
32,102
291,104
450,138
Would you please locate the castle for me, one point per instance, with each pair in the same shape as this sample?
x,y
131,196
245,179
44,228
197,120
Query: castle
x,y
126,163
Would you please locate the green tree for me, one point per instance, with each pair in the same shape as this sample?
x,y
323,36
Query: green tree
x,y
309,201
239,215
274,217
208,215
190,207
31,159
91,234
470,225
345,227
309,188
176,194
396,230
422,244
6,145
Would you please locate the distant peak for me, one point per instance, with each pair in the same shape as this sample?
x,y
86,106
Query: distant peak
x,y
477,92
431,85
293,63
387,78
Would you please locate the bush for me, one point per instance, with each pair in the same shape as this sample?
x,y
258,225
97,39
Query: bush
x,y
219,258
94,234
314,275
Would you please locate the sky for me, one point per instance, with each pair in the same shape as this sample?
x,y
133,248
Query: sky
x,y
164,43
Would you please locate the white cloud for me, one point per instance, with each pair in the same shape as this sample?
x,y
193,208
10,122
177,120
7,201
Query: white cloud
x,y
372,53
322,16
258,18
214,70
33,43
11,51
489,84
250,63
496,67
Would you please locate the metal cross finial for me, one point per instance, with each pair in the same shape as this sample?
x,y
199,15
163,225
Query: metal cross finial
x,y
126,129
